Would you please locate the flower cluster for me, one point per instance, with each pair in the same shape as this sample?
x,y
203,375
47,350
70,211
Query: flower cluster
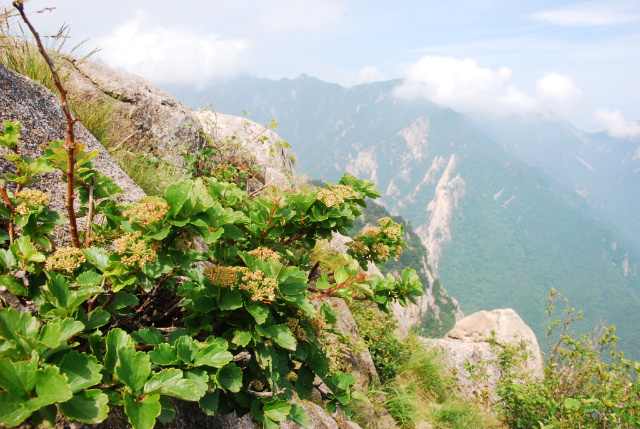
x,y
336,195
222,276
264,253
65,259
262,287
147,213
136,249
379,243
298,331
30,198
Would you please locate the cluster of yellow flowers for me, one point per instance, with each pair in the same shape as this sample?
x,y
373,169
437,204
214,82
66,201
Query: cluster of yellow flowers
x,y
264,253
222,276
30,198
393,231
298,331
147,213
137,250
381,250
263,287
358,247
65,259
336,195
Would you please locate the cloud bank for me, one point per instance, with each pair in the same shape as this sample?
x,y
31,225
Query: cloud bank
x,y
609,12
163,54
468,88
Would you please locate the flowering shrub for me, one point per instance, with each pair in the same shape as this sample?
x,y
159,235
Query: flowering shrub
x,y
202,295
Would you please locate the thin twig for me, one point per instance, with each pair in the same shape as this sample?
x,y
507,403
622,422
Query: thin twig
x,y
70,141
87,229
266,394
292,239
7,202
360,278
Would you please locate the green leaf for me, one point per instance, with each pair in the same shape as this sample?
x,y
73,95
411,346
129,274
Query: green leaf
x,y
572,404
116,339
142,413
230,300
304,382
241,337
14,285
97,257
98,317
187,349
343,380
89,278
281,334
89,406
150,336
277,410
259,312
170,382
214,354
12,411
209,402
82,371
176,196
133,369
18,378
164,354
299,416
229,377
58,286
51,387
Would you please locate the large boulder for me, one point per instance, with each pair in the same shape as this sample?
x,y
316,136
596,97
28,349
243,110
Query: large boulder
x,y
468,346
147,118
266,147
40,113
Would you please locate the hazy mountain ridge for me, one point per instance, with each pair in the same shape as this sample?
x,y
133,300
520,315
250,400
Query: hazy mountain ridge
x,y
500,232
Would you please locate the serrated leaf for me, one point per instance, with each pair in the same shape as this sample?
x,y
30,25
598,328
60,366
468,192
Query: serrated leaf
x,y
230,300
89,406
97,257
13,285
209,402
176,195
281,334
133,369
18,378
241,337
82,371
304,382
60,292
187,349
164,354
259,312
89,278
150,336
116,339
171,382
214,354
12,411
168,412
229,377
142,413
98,317
299,416
51,387
276,410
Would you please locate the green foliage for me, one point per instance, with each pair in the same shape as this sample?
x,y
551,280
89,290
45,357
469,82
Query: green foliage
x,y
222,277
582,387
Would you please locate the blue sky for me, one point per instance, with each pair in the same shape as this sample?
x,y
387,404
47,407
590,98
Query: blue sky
x,y
580,60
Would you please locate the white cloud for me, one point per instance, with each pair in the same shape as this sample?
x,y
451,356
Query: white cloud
x,y
162,54
598,12
369,74
558,93
464,86
616,124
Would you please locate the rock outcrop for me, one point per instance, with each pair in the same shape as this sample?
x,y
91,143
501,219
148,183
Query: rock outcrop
x,y
467,346
40,113
264,144
147,118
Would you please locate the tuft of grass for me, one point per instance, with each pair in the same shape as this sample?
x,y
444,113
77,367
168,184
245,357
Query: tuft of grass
x,y
150,173
97,116
456,414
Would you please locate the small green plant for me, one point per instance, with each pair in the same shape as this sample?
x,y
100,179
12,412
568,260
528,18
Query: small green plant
x,y
583,385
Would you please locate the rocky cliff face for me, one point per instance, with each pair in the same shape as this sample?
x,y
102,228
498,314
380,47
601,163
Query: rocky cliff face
x,y
467,347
